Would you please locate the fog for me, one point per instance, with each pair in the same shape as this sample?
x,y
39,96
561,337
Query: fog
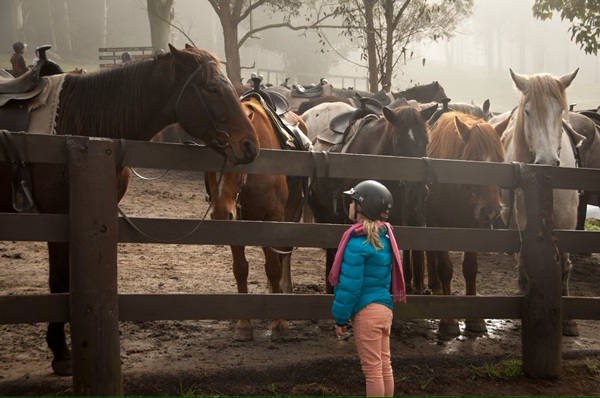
x,y
472,66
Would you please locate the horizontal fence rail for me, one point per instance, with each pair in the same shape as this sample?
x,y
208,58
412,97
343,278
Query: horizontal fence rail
x,y
46,149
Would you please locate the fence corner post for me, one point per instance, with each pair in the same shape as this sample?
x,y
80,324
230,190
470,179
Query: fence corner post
x,y
542,305
94,312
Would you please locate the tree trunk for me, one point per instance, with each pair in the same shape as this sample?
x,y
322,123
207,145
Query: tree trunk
x,y
371,43
60,17
160,16
11,22
386,78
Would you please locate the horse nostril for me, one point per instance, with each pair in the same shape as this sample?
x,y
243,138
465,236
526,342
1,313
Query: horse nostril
x,y
230,216
212,216
250,149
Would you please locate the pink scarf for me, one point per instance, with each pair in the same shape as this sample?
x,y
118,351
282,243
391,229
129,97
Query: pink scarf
x,y
398,288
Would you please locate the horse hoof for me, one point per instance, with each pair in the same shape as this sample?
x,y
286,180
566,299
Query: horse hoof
x,y
475,326
448,328
278,333
569,328
62,367
243,335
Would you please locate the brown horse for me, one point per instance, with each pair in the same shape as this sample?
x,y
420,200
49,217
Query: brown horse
x,y
261,197
463,137
134,102
402,130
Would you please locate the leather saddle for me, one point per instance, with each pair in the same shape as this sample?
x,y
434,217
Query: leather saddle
x,y
309,92
276,101
339,124
381,96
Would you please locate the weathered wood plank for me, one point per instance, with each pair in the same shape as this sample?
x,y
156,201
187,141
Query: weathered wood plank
x,y
94,311
140,307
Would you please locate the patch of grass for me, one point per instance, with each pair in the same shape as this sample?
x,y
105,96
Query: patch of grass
x,y
189,392
592,367
504,370
592,224
272,388
312,389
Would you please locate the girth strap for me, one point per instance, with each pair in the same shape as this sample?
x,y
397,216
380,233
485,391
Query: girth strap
x,y
20,175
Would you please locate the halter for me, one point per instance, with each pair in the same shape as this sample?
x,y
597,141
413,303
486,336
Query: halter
x,y
214,141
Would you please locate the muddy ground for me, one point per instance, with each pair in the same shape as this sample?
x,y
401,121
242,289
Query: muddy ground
x,y
201,358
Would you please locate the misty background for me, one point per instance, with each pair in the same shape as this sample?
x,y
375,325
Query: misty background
x,y
472,66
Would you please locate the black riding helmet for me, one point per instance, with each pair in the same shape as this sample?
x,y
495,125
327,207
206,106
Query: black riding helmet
x,y
19,46
374,198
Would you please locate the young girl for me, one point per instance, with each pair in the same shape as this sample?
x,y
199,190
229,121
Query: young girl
x,y
367,263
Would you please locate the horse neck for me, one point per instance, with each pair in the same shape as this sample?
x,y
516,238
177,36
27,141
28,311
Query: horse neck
x,y
131,107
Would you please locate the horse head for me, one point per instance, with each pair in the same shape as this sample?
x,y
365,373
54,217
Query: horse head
x,y
543,105
207,104
463,136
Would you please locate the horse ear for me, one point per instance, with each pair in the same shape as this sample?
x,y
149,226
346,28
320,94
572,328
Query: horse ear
x,y
389,114
521,81
486,107
173,49
187,46
501,127
566,80
463,129
427,113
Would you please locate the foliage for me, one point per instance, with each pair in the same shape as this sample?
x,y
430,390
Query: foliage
x,y
592,224
583,14
387,30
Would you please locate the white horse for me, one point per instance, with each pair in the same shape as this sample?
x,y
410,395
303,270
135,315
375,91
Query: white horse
x,y
535,135
317,118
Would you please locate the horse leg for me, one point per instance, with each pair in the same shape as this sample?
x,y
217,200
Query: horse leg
x,y
286,273
407,269
470,267
58,254
433,280
243,328
448,327
329,257
273,270
418,266
569,326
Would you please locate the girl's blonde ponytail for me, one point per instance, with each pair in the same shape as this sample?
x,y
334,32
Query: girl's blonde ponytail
x,y
372,229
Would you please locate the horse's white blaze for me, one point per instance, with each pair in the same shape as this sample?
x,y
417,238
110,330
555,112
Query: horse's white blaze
x,y
411,135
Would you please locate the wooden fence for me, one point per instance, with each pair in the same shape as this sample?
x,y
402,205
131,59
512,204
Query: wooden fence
x,y
93,228
113,55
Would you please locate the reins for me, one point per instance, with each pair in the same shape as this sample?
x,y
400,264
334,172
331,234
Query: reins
x,y
130,222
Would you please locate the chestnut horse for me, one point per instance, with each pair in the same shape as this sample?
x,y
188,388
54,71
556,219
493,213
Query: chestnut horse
x,y
134,102
461,136
535,134
260,197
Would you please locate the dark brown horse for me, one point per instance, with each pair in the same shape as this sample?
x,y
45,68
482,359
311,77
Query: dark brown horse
x,y
401,131
135,102
461,136
260,197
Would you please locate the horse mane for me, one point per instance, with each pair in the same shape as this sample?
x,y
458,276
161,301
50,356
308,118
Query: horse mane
x,y
112,103
540,87
446,142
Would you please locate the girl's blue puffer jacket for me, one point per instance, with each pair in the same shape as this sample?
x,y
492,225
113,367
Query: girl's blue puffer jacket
x,y
365,277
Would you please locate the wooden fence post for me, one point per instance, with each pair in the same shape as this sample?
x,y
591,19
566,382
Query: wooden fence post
x,y
542,305
94,313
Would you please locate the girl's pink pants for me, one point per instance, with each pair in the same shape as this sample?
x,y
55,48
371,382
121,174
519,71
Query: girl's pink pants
x,y
372,326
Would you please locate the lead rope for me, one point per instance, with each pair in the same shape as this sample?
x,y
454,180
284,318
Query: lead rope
x,y
128,220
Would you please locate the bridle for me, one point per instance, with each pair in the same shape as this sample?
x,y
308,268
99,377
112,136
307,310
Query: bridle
x,y
216,132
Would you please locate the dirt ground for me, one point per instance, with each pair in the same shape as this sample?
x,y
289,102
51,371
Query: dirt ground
x,y
200,357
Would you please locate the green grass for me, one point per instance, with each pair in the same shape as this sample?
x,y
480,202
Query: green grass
x,y
504,370
592,224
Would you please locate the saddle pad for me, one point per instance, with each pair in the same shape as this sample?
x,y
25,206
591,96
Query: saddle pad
x,y
44,107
